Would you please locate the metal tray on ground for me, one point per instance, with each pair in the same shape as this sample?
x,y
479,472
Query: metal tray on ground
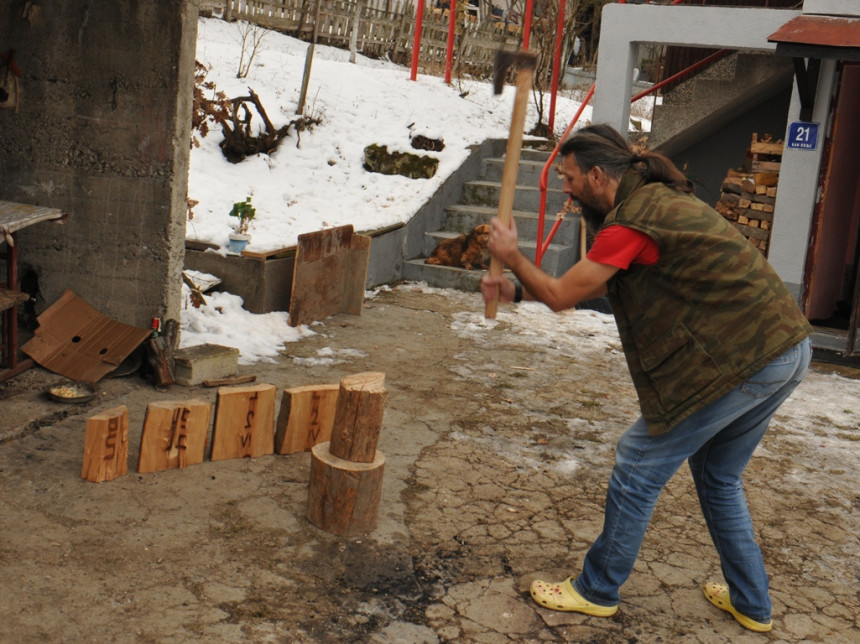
x,y
72,392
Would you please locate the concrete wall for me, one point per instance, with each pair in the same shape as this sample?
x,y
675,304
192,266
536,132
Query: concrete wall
x,y
623,26
102,131
708,160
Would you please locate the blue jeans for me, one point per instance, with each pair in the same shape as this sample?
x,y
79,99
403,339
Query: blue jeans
x,y
718,441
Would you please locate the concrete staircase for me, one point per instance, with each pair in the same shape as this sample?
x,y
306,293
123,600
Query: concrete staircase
x,y
479,203
712,98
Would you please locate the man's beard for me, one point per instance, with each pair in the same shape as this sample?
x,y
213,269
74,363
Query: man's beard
x,y
593,217
594,209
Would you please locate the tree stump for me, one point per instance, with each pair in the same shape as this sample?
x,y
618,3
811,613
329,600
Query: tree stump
x,y
343,497
346,472
358,417
106,446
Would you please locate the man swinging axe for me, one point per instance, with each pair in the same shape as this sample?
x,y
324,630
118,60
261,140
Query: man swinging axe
x,y
714,343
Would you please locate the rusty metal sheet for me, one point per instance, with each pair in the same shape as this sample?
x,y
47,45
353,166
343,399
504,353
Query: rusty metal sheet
x,y
825,31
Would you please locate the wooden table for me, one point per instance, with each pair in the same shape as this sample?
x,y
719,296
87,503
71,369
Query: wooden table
x,y
14,217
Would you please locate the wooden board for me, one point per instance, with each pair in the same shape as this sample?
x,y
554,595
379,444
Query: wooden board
x,y
244,422
106,445
356,275
157,356
329,274
343,497
223,382
10,298
767,146
279,253
174,434
305,418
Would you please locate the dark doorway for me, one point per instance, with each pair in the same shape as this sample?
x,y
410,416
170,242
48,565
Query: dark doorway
x,y
831,285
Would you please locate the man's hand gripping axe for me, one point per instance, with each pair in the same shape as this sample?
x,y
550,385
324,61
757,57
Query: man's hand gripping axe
x,y
525,63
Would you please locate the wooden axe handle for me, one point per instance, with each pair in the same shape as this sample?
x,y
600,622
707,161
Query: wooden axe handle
x,y
509,174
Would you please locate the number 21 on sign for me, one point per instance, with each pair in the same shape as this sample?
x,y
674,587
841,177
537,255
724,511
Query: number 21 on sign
x,y
803,135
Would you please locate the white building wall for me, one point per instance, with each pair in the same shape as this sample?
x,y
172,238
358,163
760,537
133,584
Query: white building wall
x,y
832,7
798,188
623,26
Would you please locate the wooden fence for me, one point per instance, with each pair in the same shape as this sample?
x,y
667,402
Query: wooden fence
x,y
386,29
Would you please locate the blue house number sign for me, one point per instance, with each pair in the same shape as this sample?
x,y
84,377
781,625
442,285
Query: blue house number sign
x,y
803,136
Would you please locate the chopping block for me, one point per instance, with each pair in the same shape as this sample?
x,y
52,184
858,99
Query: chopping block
x,y
346,472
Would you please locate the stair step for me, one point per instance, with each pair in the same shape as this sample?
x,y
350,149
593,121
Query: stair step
x,y
527,198
479,203
463,218
416,270
534,154
528,175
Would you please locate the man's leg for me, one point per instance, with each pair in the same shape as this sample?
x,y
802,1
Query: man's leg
x,y
717,468
643,465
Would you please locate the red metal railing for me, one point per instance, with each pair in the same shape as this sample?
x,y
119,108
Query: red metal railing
x,y
542,246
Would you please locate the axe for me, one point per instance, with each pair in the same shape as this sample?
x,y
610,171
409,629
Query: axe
x,y
525,62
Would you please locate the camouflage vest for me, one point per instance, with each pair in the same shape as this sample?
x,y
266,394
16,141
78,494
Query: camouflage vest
x,y
706,317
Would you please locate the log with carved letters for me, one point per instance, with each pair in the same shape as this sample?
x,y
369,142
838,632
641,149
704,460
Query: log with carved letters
x,y
106,445
244,422
174,434
306,418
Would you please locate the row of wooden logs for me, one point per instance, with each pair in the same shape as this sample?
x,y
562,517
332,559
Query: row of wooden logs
x,y
338,423
748,196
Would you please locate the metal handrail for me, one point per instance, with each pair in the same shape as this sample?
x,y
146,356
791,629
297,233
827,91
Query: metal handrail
x,y
541,247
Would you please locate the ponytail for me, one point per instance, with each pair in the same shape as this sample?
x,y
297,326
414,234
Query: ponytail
x,y
603,146
656,167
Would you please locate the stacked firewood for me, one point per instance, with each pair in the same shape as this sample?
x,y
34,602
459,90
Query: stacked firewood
x,y
749,194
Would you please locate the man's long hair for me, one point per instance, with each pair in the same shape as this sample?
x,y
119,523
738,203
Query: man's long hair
x,y
603,146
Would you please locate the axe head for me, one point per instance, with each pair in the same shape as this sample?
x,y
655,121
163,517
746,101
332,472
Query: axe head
x,y
504,60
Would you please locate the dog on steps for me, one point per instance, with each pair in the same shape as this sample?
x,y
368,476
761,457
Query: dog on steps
x,y
469,250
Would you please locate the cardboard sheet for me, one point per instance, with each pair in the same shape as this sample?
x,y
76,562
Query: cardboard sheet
x,y
76,341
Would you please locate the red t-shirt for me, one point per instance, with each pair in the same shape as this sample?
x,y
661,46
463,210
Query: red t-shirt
x,y
621,246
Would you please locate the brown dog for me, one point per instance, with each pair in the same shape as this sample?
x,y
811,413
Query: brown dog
x,y
468,250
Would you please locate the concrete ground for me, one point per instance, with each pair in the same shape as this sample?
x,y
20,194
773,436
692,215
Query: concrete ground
x,y
498,445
